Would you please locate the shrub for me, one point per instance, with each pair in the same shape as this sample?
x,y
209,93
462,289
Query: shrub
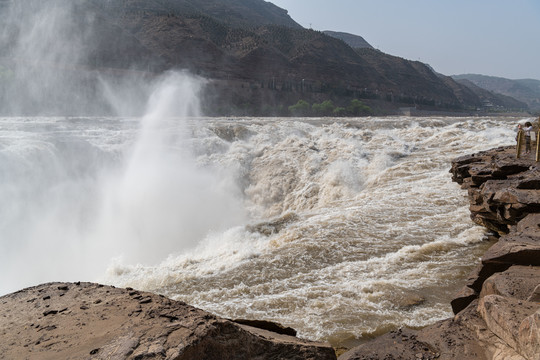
x,y
357,108
325,108
340,111
301,108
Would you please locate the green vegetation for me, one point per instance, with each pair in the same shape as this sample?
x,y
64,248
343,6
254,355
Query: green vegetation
x,y
357,108
327,108
339,111
301,108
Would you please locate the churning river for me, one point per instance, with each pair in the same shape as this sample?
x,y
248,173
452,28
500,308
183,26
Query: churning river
x,y
339,228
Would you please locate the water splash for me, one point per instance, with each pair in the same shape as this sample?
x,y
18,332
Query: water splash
x,y
163,202
80,192
359,215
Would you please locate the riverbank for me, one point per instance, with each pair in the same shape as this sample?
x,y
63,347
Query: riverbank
x,y
497,313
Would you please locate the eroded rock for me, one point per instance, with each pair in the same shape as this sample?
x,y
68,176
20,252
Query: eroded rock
x,y
519,282
504,317
65,321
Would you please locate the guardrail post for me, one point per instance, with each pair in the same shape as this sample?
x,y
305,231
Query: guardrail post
x,y
519,143
537,146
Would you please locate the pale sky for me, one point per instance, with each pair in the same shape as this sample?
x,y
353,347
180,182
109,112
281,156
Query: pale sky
x,y
488,37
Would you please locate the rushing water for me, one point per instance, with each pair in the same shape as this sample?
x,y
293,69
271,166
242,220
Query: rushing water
x,y
340,228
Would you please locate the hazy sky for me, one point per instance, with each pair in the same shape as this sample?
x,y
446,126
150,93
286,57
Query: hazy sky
x,y
489,37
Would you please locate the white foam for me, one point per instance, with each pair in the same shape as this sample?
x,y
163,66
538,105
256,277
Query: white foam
x,y
378,225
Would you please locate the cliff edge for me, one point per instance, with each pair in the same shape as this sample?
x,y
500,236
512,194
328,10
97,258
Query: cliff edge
x,y
497,313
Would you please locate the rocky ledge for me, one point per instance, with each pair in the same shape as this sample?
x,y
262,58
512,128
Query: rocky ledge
x,y
497,313
91,321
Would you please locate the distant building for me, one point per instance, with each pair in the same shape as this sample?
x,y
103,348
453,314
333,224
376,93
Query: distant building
x,y
408,111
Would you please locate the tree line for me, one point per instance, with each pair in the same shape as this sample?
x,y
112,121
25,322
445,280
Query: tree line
x,y
327,108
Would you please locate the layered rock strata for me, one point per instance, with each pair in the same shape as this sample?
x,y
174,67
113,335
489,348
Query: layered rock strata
x,y
91,321
497,313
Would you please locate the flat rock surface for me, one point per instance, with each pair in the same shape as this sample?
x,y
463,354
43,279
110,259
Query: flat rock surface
x,y
92,321
530,225
402,344
519,282
514,248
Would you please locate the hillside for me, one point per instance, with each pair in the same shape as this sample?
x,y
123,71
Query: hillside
x,y
280,63
524,90
354,41
260,60
237,13
494,100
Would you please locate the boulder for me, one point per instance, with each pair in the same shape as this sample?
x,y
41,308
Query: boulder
x,y
502,189
504,195
468,327
470,291
529,336
92,321
464,337
518,282
400,344
500,163
513,321
530,225
473,285
535,295
513,249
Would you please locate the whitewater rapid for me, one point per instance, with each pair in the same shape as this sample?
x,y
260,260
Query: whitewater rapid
x,y
339,228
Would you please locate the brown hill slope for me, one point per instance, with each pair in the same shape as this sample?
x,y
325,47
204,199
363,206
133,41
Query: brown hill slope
x,y
493,99
256,55
354,41
524,90
285,59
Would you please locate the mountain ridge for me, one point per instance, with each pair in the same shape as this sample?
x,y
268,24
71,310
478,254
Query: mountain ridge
x,y
354,41
524,90
259,60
